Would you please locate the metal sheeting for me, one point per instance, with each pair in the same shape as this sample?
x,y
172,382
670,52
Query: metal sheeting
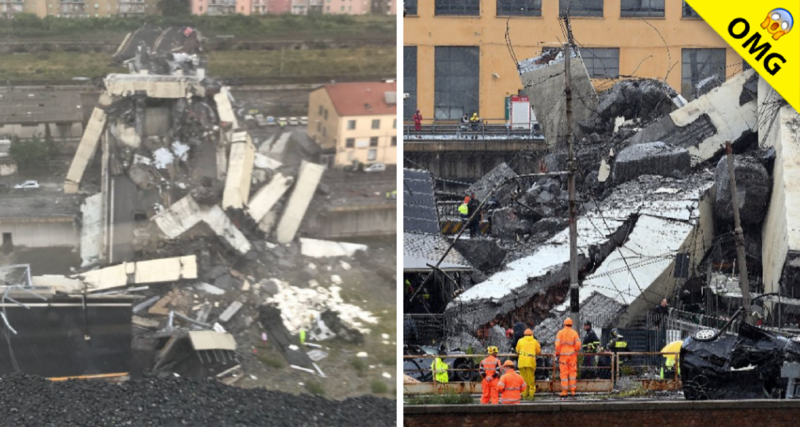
x,y
419,204
212,340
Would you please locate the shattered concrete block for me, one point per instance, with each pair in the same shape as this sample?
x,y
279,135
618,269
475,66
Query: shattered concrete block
x,y
482,254
155,86
205,196
226,281
230,311
506,223
240,170
753,187
186,213
488,182
209,289
324,249
224,107
216,271
549,226
268,196
653,158
85,151
307,180
644,99
141,273
92,230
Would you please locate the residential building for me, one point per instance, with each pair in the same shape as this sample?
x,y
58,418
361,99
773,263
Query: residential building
x,y
349,7
279,7
87,8
260,7
220,7
8,8
383,7
355,122
456,59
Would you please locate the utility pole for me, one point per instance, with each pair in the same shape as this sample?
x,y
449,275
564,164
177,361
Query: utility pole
x,y
574,287
744,282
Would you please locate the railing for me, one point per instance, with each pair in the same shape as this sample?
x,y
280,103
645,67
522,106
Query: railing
x,y
454,129
623,370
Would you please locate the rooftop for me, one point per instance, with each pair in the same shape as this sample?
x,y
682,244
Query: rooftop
x,y
363,99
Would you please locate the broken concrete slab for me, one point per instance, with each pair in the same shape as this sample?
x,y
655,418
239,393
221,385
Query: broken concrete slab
x,y
230,311
209,289
85,151
307,180
488,182
703,125
186,213
142,305
240,171
154,86
224,107
315,248
482,254
650,158
547,93
268,196
637,99
142,272
506,223
264,162
146,323
753,186
91,230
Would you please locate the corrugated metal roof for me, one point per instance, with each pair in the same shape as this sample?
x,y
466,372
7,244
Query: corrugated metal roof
x,y
419,250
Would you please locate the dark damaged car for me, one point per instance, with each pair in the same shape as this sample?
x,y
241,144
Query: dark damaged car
x,y
745,366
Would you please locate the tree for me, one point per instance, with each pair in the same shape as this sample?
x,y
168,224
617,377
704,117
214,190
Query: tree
x,y
34,153
174,7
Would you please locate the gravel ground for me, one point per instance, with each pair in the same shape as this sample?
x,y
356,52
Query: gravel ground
x,y
33,401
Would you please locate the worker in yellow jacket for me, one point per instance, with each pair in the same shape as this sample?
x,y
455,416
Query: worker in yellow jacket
x,y
527,349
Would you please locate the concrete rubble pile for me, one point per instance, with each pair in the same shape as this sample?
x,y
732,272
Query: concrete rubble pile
x,y
654,200
187,207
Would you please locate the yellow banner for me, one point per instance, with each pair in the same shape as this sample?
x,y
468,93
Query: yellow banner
x,y
763,33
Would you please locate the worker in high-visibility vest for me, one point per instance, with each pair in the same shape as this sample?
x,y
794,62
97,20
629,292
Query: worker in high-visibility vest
x,y
511,385
439,369
490,370
527,349
617,345
671,365
568,344
463,211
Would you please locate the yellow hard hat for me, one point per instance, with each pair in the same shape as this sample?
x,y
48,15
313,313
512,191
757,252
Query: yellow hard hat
x,y
492,350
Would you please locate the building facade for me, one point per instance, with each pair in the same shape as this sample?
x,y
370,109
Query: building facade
x,y
456,59
79,8
348,7
355,122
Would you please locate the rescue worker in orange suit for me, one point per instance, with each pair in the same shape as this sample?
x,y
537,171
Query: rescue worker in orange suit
x,y
511,385
568,343
527,349
490,370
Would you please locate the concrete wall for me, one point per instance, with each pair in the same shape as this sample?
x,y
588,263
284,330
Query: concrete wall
x,y
642,51
41,234
755,413
368,221
385,152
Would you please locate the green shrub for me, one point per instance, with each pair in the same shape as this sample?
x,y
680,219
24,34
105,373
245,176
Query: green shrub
x,y
315,388
379,387
450,398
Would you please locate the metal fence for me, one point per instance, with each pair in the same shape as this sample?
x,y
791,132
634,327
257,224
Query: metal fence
x,y
424,329
486,127
607,372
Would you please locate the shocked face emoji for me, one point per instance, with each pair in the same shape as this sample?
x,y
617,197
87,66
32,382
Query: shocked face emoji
x,y
778,23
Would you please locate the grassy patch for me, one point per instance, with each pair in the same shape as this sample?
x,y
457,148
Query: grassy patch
x,y
315,388
360,366
441,399
271,360
379,387
222,64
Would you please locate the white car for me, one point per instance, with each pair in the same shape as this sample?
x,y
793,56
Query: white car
x,y
27,185
293,121
377,167
304,121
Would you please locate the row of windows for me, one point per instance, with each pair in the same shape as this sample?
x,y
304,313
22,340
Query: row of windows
x,y
628,8
351,124
457,77
373,142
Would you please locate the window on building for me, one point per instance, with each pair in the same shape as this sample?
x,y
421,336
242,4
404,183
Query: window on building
x,y
456,81
372,155
394,141
319,127
201,8
324,131
519,7
351,125
394,125
350,143
698,65
409,81
580,7
458,7
642,8
688,11
342,9
376,123
326,114
410,7
601,62
320,110
373,142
